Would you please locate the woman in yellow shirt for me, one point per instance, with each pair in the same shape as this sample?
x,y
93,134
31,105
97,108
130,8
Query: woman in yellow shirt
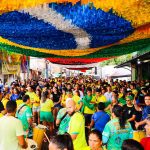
x,y
5,99
77,98
46,109
36,106
95,141
63,97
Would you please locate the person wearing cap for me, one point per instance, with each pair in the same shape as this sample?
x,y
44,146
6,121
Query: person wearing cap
x,y
129,111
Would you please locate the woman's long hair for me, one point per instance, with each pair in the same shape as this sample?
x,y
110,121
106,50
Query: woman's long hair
x,y
118,111
44,96
63,141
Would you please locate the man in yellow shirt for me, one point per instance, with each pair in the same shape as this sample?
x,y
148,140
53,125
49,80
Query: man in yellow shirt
x,y
87,106
99,96
76,126
34,103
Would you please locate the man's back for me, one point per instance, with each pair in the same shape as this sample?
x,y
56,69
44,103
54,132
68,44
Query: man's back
x,y
100,119
77,126
64,123
10,128
23,114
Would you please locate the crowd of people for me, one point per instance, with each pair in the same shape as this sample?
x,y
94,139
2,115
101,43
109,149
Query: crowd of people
x,y
80,113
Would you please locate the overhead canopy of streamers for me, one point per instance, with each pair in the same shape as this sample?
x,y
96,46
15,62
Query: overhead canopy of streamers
x,y
74,32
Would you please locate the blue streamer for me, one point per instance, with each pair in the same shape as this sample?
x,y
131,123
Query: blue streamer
x,y
104,28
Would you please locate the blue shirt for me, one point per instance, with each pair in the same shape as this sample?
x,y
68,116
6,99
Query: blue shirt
x,y
14,97
100,119
145,112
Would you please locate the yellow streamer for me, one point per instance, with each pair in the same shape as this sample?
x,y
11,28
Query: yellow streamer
x,y
136,11
75,52
142,32
11,5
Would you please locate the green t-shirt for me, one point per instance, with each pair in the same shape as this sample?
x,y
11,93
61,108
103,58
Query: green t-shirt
x,y
88,106
115,135
77,126
64,124
24,114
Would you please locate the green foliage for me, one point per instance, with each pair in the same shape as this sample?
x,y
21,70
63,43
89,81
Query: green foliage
x,y
116,60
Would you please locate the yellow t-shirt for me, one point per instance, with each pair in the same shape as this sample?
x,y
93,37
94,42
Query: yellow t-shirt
x,y
63,100
37,101
113,87
76,98
1,115
88,110
47,105
101,98
86,148
135,92
4,101
19,102
120,95
33,99
77,126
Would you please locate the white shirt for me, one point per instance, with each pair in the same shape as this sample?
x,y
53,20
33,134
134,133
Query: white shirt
x,y
108,96
10,128
81,93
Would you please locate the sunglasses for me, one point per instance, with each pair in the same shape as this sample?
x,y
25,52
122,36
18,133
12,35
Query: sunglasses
x,y
127,100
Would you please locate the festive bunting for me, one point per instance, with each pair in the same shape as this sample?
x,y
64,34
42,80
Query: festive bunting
x,y
79,33
77,61
53,27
